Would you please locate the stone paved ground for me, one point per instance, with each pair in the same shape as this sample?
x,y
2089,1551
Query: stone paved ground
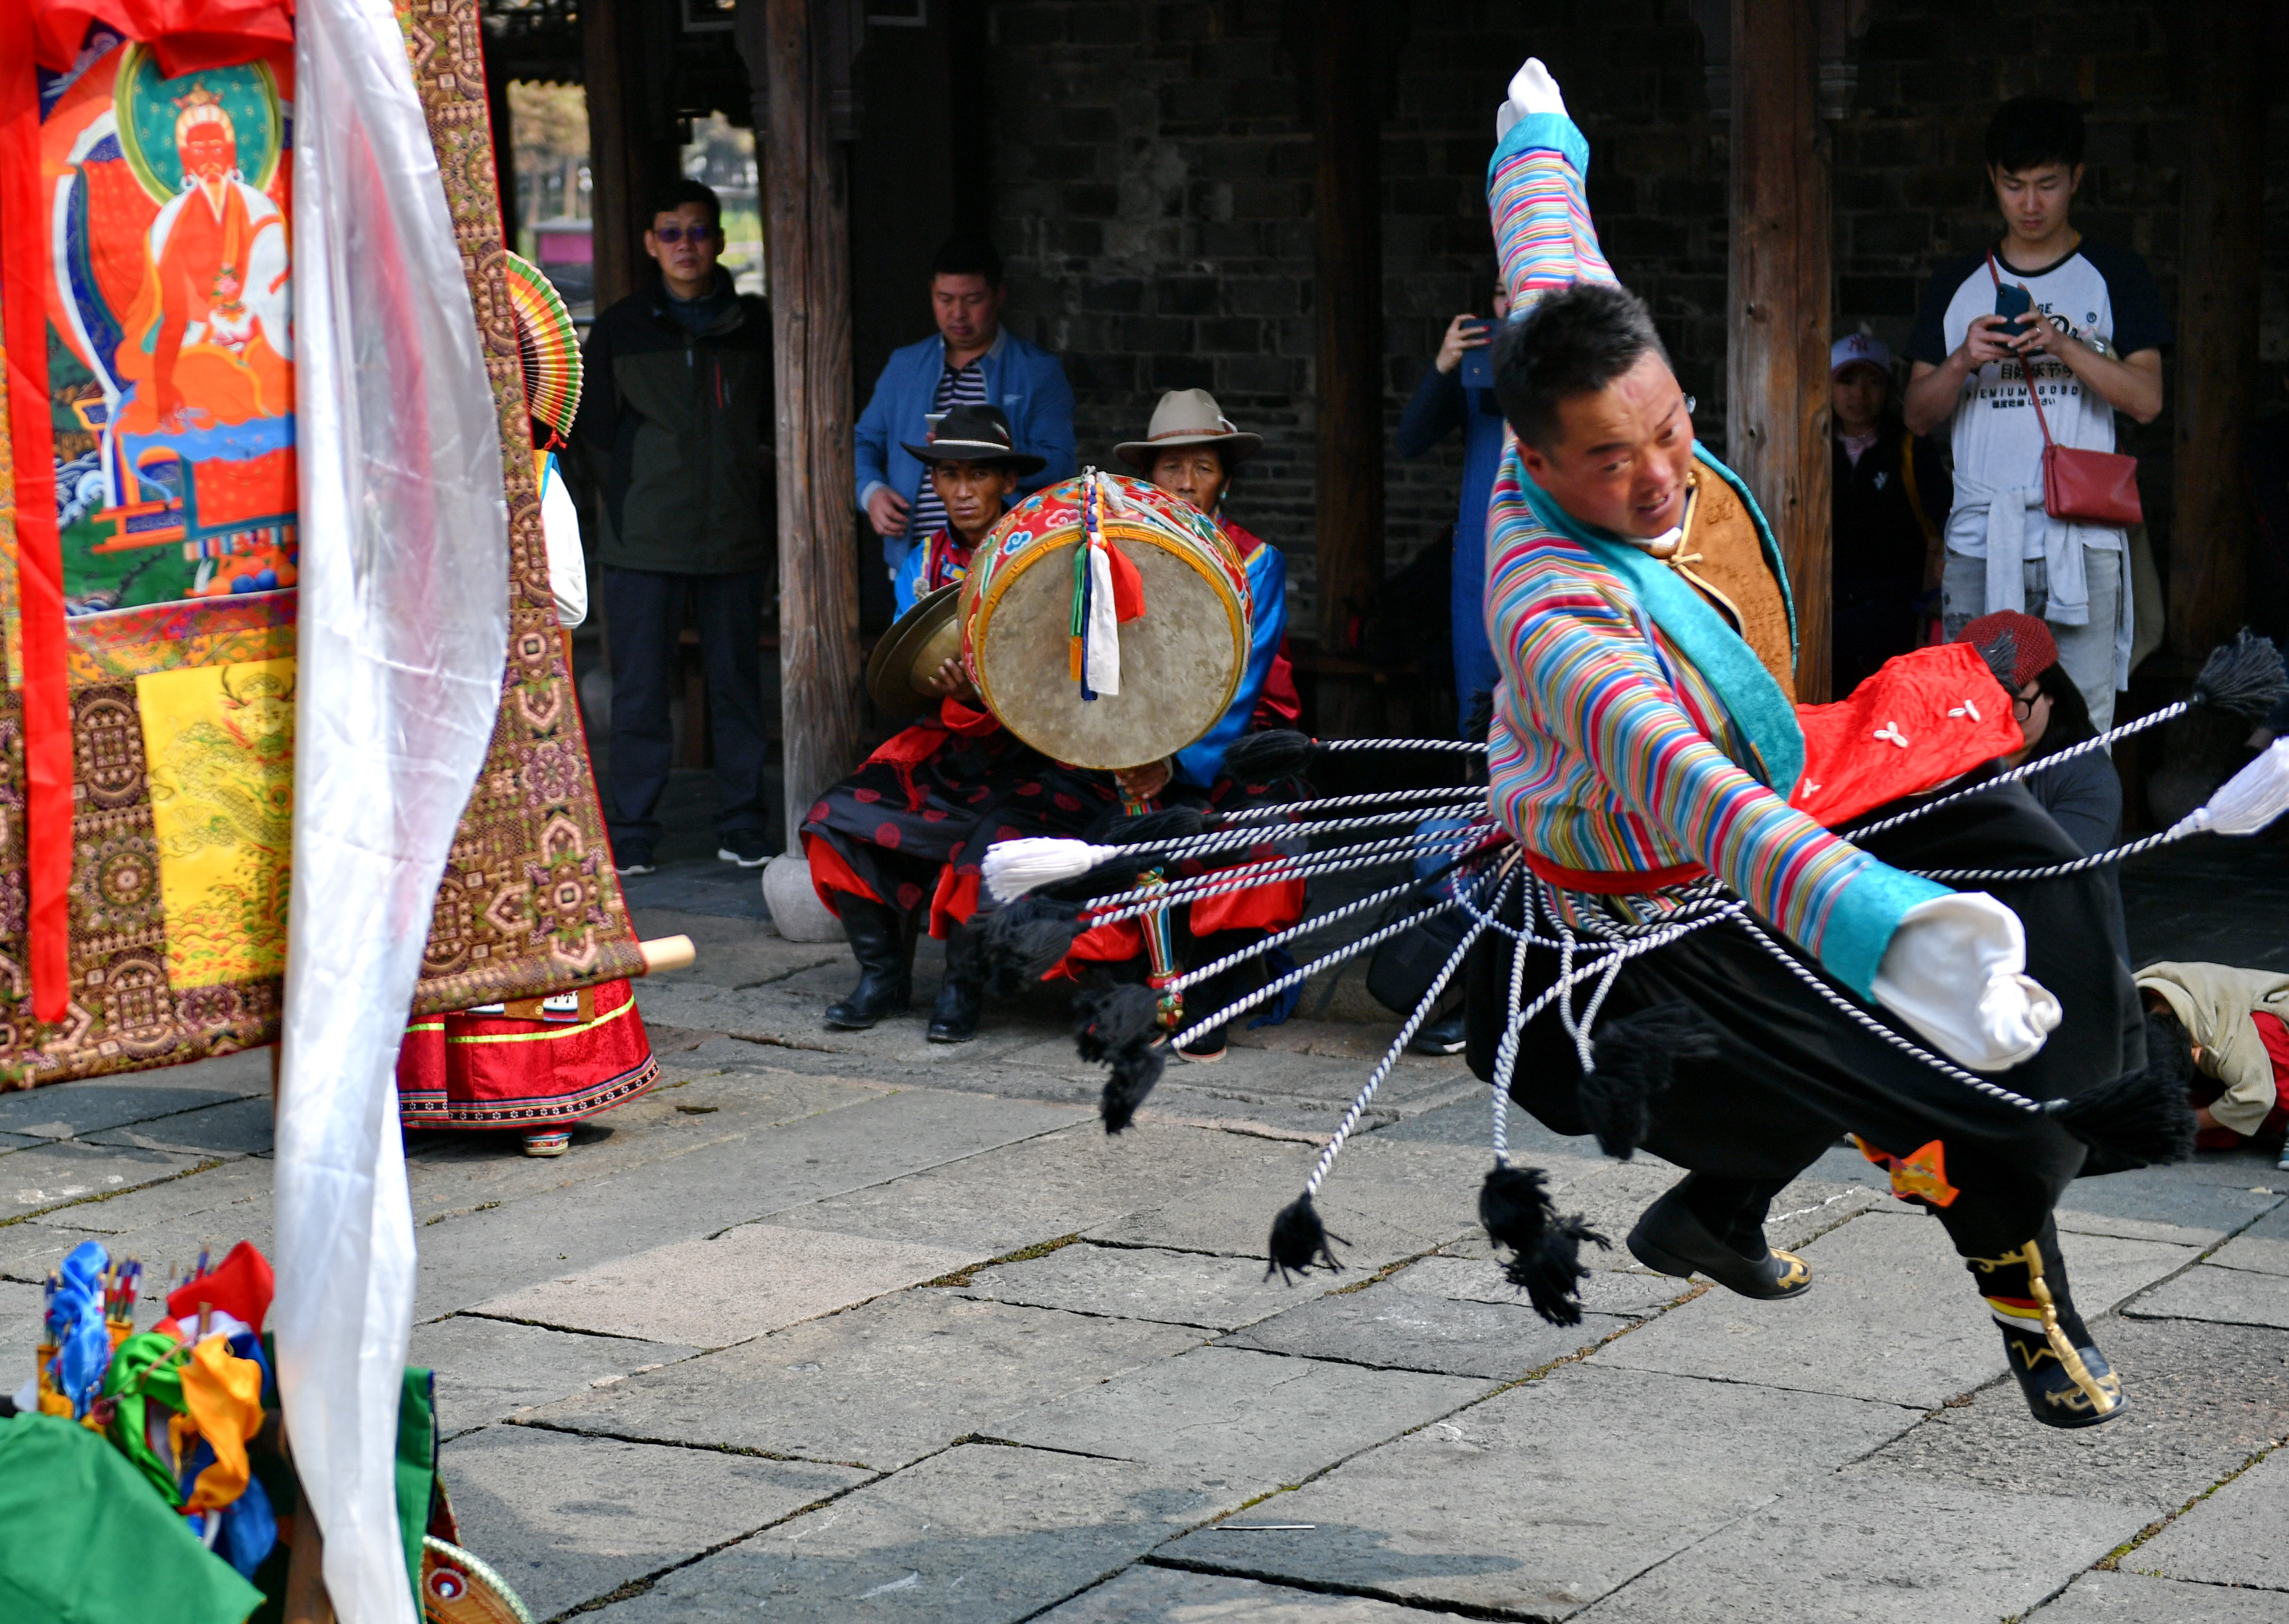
x,y
844,1327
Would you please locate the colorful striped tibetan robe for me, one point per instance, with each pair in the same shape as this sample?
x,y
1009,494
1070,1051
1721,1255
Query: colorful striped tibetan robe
x,y
1637,741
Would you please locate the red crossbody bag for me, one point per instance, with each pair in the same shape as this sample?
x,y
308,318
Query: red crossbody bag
x,y
2086,487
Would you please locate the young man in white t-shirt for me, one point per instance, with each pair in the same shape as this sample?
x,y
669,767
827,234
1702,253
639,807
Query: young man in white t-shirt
x,y
2094,342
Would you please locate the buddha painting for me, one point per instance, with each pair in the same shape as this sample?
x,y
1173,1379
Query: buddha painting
x,y
173,307
207,341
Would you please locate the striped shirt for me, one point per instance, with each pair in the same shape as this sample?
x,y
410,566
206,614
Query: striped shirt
x,y
1613,749
956,386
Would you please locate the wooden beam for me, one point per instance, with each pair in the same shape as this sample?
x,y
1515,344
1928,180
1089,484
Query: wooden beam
x,y
305,1601
1347,220
1777,363
807,233
610,79
2221,216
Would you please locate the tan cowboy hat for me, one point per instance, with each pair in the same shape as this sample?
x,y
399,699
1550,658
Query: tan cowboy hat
x,y
1188,418
911,650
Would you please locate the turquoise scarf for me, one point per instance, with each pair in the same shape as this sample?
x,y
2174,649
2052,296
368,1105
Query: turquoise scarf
x,y
1752,699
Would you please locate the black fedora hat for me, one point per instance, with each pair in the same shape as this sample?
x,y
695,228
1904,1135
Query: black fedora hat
x,y
976,433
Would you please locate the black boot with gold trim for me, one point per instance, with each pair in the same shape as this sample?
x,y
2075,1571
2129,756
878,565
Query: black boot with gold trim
x,y
1715,1227
2066,1379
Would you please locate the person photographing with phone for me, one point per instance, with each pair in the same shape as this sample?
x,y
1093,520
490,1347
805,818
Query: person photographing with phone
x,y
1458,392
2043,502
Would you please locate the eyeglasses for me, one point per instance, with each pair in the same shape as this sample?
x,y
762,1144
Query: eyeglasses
x,y
678,234
2022,707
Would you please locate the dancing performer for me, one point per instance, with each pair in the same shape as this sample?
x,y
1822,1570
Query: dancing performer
x,y
882,842
536,1066
1645,736
1667,946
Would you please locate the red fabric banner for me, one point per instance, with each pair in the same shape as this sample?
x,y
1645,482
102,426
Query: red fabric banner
x,y
39,548
185,35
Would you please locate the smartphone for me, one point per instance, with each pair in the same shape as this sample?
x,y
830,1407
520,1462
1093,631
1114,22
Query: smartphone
x,y
1477,368
2013,304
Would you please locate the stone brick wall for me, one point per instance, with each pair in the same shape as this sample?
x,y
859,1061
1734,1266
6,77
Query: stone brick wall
x,y
1153,172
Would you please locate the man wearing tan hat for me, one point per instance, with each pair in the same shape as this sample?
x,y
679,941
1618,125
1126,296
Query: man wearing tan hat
x,y
1190,449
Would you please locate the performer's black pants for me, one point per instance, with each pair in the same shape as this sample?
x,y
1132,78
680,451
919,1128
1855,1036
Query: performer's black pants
x,y
1791,1074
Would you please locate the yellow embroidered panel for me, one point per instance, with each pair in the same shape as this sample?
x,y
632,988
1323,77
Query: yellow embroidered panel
x,y
220,742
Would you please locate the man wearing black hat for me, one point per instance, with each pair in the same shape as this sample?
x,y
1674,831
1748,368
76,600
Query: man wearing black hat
x,y
879,842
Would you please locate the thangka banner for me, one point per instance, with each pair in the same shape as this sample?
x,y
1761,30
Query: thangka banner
x,y
164,260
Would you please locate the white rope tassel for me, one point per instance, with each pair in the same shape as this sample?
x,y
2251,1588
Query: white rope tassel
x,y
1101,643
2252,797
1013,868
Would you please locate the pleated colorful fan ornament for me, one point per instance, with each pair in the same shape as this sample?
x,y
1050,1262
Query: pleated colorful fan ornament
x,y
547,344
1107,593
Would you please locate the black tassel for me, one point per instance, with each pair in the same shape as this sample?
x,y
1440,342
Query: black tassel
x,y
2141,1119
1120,1027
1022,943
1268,757
1299,1241
2000,651
1545,1249
1637,1059
1162,828
2244,677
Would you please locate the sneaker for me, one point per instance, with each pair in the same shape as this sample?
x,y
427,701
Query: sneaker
x,y
633,857
747,850
1449,1035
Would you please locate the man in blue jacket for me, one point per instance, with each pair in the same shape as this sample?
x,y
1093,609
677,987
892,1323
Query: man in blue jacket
x,y
1441,404
972,361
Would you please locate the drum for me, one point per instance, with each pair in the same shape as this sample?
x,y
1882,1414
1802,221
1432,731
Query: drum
x,y
1181,661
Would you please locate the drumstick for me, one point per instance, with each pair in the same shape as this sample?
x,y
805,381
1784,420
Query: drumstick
x,y
667,953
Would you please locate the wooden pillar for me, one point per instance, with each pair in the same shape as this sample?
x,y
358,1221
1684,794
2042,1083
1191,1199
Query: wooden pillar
x,y
1777,363
806,234
2221,214
1347,219
612,81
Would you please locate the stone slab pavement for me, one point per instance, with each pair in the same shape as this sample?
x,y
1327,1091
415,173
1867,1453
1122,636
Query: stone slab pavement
x,y
849,1327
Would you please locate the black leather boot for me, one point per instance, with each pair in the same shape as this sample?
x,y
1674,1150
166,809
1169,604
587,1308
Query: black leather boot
x,y
886,966
2065,1380
953,1018
1676,1239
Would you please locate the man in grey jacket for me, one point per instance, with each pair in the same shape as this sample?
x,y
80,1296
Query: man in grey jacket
x,y
675,426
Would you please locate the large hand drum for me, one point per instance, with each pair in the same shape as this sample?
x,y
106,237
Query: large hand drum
x,y
1181,661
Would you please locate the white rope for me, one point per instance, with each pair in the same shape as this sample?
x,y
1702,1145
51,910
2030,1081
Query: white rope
x,y
1234,840
1459,794
2119,854
1458,744
1318,921
1374,853
1423,1008
1305,972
